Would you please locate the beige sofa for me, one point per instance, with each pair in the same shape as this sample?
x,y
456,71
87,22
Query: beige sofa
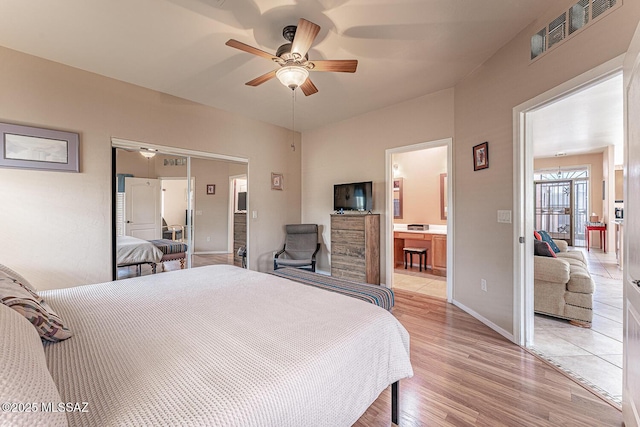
x,y
563,286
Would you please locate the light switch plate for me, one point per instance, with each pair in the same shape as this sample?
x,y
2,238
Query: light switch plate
x,y
504,217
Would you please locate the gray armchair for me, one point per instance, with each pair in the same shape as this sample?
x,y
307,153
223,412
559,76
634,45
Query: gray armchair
x,y
300,247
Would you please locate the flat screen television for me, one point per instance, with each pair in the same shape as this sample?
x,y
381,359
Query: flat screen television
x,y
242,200
356,196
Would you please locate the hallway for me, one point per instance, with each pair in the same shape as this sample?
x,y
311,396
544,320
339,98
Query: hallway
x,y
592,356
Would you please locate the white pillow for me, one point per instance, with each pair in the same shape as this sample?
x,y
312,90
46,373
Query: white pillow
x,y
24,377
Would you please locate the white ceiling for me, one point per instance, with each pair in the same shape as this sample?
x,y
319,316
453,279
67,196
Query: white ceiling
x,y
586,121
405,48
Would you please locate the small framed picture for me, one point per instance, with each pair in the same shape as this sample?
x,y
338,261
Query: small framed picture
x,y
276,181
211,189
481,156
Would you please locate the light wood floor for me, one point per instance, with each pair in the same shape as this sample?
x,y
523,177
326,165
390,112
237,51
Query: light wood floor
x,y
466,374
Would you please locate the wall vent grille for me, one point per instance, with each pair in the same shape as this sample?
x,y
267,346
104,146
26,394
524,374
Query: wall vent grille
x,y
601,6
557,29
580,15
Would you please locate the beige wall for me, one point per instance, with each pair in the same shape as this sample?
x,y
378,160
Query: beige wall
x,y
59,224
420,171
354,150
484,103
595,161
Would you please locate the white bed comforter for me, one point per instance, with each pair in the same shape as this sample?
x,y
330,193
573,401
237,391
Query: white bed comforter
x,y
222,346
131,250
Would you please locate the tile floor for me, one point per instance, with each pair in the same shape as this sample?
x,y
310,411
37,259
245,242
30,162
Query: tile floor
x,y
422,282
593,355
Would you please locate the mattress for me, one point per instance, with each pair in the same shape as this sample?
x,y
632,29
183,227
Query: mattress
x,y
131,250
222,346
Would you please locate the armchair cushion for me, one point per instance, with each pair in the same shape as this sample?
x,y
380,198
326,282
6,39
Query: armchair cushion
x,y
300,247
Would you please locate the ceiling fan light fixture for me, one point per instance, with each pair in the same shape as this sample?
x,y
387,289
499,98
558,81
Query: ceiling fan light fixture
x,y
148,153
292,76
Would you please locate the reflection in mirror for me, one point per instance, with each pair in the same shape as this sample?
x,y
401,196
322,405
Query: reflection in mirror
x,y
155,204
397,198
443,196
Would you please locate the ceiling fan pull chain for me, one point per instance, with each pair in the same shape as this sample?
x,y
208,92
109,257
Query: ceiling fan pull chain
x,y
293,119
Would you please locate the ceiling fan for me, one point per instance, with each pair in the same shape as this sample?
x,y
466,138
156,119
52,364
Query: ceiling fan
x,y
293,58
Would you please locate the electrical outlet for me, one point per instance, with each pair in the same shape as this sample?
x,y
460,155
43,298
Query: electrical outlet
x,y
208,238
483,285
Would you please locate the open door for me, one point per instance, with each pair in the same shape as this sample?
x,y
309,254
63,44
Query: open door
x,y
142,208
631,367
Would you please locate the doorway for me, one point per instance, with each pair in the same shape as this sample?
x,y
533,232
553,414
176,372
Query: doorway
x,y
576,190
419,214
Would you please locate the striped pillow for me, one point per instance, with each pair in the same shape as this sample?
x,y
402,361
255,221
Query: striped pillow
x,y
27,302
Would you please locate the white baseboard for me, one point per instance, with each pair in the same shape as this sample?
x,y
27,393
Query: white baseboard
x,y
486,321
323,272
212,253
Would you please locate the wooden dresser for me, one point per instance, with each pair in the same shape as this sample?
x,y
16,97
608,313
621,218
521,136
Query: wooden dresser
x,y
239,235
355,247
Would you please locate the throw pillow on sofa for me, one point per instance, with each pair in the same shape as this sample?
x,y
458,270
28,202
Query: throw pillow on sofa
x,y
546,238
542,248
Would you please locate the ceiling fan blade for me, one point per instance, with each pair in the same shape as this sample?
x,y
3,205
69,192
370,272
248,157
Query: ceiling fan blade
x,y
308,88
250,49
337,65
305,35
263,78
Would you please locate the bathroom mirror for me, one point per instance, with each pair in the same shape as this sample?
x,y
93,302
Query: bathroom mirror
x,y
397,198
443,196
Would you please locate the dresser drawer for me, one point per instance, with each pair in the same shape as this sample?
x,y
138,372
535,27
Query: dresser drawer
x,y
347,222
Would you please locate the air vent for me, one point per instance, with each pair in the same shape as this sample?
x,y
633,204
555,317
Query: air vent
x,y
578,16
601,6
557,30
581,14
539,43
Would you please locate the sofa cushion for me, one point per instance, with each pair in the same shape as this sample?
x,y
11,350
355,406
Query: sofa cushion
x,y
547,238
575,255
580,280
541,248
554,270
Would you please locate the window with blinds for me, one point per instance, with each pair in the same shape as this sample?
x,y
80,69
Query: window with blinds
x,y
119,214
580,15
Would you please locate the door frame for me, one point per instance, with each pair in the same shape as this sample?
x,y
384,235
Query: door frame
x,y
390,262
523,192
232,208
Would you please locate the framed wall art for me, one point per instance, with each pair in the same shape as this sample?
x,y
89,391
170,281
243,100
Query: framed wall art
x,y
27,147
481,156
276,181
211,189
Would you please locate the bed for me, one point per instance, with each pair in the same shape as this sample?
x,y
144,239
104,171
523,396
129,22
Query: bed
x,y
134,251
221,345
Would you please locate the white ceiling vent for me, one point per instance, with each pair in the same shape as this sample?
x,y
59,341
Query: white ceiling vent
x,y
581,14
601,6
557,29
578,16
